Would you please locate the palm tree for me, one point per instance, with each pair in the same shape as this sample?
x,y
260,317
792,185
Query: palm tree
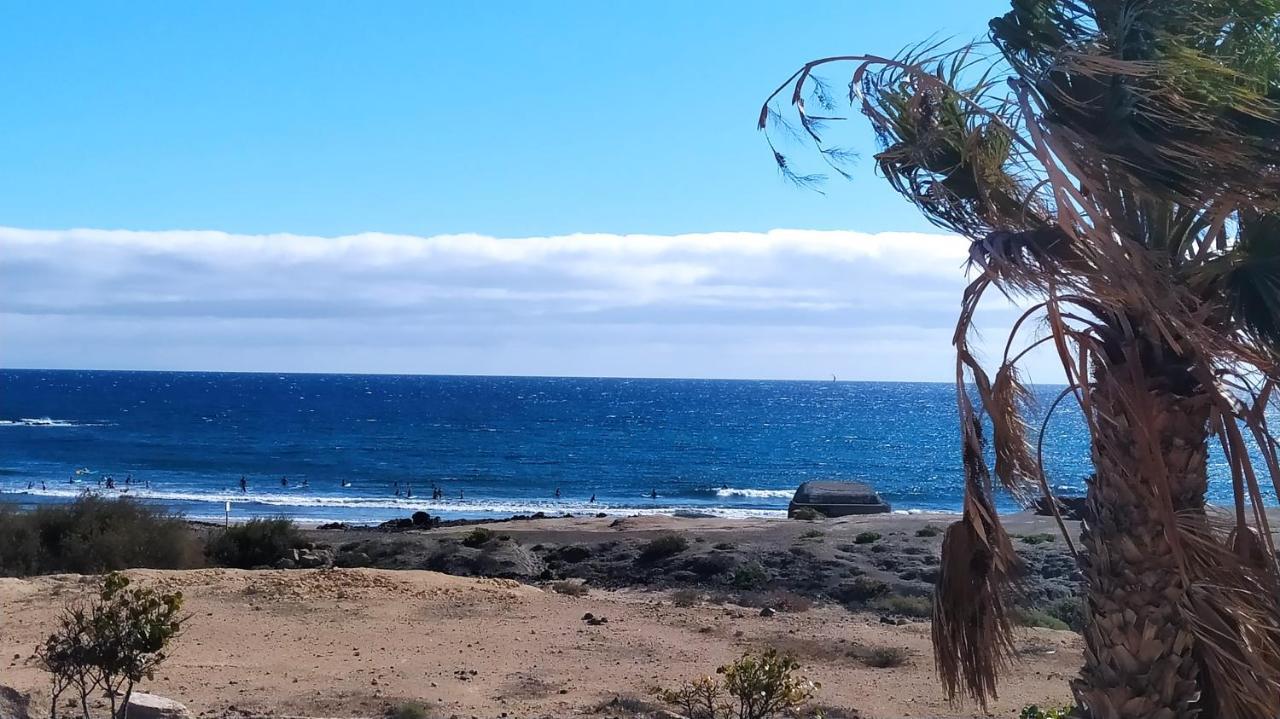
x,y
1116,166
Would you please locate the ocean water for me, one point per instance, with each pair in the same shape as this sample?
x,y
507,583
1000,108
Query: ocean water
x,y
495,446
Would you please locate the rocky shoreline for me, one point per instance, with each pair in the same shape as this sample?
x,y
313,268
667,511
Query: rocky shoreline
x,y
886,563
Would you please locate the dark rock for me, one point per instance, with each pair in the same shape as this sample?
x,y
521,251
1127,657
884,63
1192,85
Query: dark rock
x,y
332,525
588,617
14,704
1074,508
286,563
573,553
315,558
396,524
422,519
691,514
709,565
837,499
768,612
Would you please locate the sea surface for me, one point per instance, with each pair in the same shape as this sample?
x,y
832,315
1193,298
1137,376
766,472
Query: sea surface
x,y
352,447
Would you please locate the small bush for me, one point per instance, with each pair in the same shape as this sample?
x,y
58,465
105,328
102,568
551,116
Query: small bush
x,y
780,599
572,589
709,565
883,657
408,710
1034,712
107,646
928,530
478,537
258,542
757,686
1039,618
662,547
92,535
866,538
807,514
1034,539
914,607
1069,611
812,534
750,576
686,597
724,546
861,589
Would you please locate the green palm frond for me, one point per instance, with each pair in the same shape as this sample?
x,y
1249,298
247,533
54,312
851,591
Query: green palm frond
x,y
1246,280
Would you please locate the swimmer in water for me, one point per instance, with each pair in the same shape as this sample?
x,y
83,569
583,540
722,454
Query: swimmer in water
x,y
654,493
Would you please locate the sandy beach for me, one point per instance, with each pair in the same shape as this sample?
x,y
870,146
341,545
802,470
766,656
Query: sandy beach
x,y
355,642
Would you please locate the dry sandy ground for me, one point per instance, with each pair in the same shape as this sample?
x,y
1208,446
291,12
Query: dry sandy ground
x,y
352,642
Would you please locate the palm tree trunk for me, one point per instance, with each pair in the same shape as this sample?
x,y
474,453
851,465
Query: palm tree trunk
x,y
1139,658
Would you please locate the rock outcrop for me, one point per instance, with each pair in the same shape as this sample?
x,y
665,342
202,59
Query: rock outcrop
x,y
836,499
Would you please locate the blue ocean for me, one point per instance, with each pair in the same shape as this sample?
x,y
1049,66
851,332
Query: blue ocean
x,y
366,448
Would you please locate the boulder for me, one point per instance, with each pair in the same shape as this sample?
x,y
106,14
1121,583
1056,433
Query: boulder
x,y
1068,507
14,704
837,499
151,706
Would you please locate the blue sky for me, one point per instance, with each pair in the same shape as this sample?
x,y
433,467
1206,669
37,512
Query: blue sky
x,y
324,120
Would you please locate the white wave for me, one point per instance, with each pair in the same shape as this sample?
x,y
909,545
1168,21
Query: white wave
x,y
757,493
353,505
38,422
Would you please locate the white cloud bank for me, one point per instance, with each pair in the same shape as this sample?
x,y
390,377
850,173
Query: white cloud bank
x,y
785,303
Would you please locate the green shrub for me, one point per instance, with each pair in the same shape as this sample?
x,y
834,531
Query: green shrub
x,y
1069,611
662,547
812,534
928,530
861,589
781,600
756,686
750,576
882,657
1039,618
259,542
92,535
110,644
1034,539
915,607
1034,712
807,514
408,710
866,538
478,537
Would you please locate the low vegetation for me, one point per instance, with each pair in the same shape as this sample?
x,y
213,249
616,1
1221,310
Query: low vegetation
x,y
1035,712
750,575
259,542
477,537
867,538
686,598
756,686
929,530
1039,618
667,545
1041,538
92,535
570,588
914,607
807,514
882,657
108,645
408,710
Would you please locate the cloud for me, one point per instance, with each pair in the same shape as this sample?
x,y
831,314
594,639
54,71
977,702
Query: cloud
x,y
784,303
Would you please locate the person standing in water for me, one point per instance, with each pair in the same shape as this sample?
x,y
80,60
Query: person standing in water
x,y
557,493
408,493
284,482
653,494
244,485
593,498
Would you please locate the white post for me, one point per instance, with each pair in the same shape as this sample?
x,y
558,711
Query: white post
x,y
227,509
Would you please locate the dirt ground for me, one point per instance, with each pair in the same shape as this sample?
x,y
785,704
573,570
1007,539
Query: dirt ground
x,y
354,642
